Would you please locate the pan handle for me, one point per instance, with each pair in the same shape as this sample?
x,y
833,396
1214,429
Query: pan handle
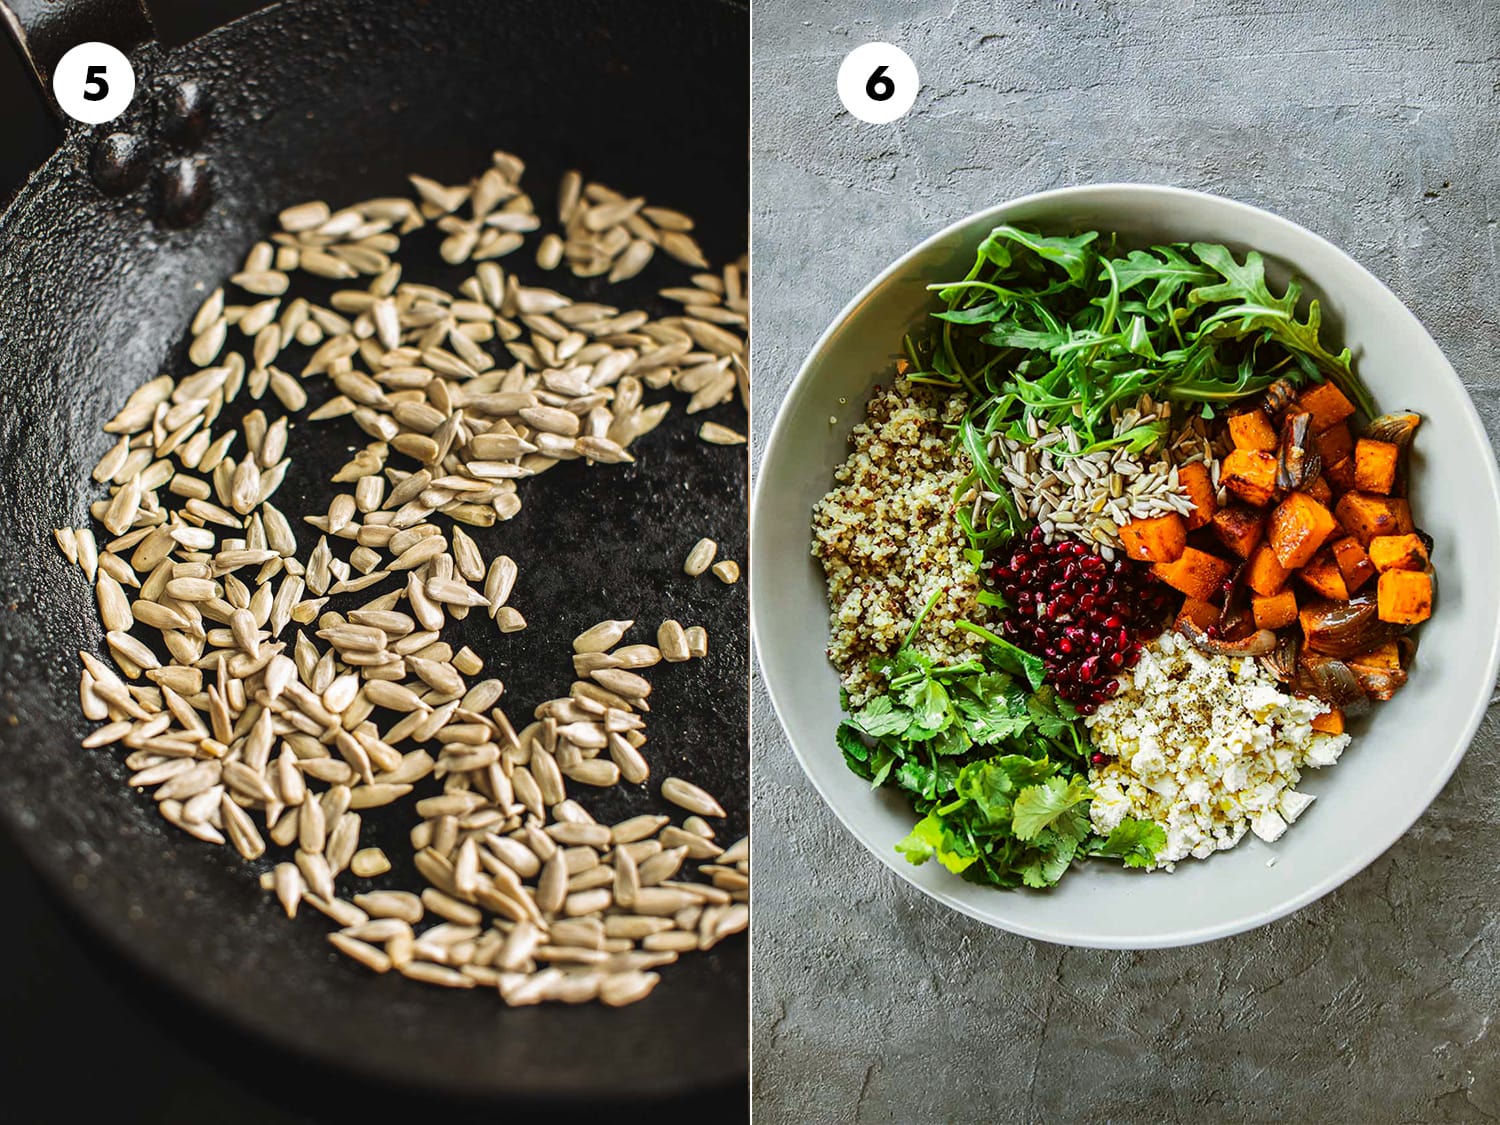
x,y
45,30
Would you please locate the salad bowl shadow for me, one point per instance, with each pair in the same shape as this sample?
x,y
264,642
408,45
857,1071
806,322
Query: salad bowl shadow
x,y
1403,751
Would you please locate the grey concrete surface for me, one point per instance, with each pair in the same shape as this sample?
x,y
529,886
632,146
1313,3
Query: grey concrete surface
x,y
1375,124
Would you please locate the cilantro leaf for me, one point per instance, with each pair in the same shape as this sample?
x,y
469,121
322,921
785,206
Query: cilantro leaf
x,y
931,837
1038,806
1013,658
1137,842
1049,861
856,752
881,717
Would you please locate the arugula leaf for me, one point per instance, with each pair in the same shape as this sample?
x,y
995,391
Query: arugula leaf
x,y
1164,265
1039,806
1071,253
1252,308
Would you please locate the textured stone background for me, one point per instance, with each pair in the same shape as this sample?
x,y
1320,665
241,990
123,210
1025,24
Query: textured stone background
x,y
1375,124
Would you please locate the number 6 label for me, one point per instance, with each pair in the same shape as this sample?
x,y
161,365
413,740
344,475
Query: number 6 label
x,y
878,83
93,83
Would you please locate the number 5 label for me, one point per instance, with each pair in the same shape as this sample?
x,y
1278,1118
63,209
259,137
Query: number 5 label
x,y
878,83
93,83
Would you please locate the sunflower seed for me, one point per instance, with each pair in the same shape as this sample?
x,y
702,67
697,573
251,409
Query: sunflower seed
x,y
699,557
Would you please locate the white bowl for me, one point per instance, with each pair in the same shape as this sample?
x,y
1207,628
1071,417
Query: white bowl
x,y
1401,755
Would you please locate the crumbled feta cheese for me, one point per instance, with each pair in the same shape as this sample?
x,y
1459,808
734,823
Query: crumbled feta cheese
x,y
1268,825
1294,804
1209,747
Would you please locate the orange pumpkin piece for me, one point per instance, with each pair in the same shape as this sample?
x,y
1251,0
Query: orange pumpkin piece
x,y
1367,517
1374,465
1329,722
1196,573
1404,597
1298,527
1199,612
1250,475
1340,474
1318,489
1156,538
1334,444
1239,528
1194,480
1398,552
1253,430
1325,577
1275,611
1265,575
1327,404
1353,562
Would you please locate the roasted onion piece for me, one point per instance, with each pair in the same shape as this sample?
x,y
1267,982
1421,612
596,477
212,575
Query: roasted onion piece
x,y
1235,619
1332,681
1258,643
1282,660
1279,395
1395,428
1345,629
1297,461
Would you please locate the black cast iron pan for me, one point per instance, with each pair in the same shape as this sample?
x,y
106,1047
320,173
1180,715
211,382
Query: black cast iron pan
x,y
340,99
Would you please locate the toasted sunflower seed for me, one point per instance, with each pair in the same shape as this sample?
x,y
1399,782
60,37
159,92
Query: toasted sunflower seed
x,y
700,557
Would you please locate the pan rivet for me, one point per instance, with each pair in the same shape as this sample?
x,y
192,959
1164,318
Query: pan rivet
x,y
119,163
185,192
186,114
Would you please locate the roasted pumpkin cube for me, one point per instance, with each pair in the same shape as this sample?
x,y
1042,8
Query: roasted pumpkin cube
x,y
1334,444
1323,575
1274,611
1196,573
1155,538
1404,597
1398,552
1318,489
1299,525
1239,528
1265,575
1353,561
1253,430
1327,404
1375,465
1195,481
1367,517
1340,474
1251,475
1201,613
1329,722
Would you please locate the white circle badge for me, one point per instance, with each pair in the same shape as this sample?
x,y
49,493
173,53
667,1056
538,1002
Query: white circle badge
x,y
878,83
93,83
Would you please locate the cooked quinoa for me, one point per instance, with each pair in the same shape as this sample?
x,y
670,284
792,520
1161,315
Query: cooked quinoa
x,y
888,539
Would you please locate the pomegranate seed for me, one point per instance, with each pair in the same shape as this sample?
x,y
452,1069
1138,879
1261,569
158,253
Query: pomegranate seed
x,y
1083,613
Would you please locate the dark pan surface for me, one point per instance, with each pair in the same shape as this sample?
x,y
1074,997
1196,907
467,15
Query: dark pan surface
x,y
340,100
